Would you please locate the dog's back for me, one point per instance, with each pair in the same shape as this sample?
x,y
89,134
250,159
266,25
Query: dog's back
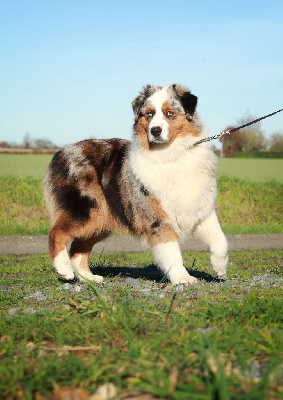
x,y
78,178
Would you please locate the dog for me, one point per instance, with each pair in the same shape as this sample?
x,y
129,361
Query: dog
x,y
161,186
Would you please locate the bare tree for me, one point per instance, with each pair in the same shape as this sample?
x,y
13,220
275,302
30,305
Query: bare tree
x,y
27,141
276,142
5,144
44,144
252,137
231,144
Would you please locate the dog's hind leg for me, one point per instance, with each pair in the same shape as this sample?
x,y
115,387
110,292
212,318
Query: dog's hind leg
x,y
211,233
57,240
79,252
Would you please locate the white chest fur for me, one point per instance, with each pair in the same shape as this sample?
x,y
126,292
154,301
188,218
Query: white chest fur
x,y
182,180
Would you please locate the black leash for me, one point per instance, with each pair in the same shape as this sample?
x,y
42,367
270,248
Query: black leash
x,y
236,129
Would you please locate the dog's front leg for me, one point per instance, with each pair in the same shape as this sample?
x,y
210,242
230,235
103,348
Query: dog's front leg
x,y
169,258
211,233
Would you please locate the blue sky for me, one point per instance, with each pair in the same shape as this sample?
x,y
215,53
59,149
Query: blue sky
x,y
70,69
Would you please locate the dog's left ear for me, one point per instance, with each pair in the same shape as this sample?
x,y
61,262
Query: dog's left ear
x,y
138,102
187,99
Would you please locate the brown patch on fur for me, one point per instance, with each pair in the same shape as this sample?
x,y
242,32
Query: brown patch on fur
x,y
166,234
66,229
181,127
167,106
83,247
142,131
178,123
160,231
157,209
58,237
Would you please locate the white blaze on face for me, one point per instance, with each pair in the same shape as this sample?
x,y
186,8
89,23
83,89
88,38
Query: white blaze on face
x,y
158,120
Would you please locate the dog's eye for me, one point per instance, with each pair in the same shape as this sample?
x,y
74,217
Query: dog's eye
x,y
149,114
169,114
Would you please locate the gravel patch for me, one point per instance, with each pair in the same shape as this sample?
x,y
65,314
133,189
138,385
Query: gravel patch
x,y
136,287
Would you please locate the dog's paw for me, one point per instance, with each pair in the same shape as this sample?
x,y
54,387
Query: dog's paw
x,y
67,274
221,277
188,280
220,271
63,266
88,276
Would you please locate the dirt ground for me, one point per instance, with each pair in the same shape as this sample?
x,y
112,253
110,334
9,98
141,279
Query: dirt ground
x,y
20,245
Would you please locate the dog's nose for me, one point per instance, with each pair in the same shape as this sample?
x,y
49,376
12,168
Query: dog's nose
x,y
156,131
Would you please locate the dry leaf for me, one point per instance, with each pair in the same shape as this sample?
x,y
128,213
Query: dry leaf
x,y
105,392
212,362
67,393
4,339
139,397
173,378
30,346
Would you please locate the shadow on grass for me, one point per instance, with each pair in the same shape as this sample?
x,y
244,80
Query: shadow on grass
x,y
150,273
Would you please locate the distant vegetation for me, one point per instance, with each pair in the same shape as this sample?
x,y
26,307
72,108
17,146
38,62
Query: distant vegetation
x,y
251,141
249,199
35,165
243,205
29,143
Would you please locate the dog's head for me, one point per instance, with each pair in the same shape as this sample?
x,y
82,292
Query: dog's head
x,y
164,113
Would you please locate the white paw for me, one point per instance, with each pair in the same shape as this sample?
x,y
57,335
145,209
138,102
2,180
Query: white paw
x,y
66,274
63,266
222,277
220,271
89,277
188,280
219,265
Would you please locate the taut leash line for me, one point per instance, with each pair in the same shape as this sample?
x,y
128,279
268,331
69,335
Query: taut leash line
x,y
236,129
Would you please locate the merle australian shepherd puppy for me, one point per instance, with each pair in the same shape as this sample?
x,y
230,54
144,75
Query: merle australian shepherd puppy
x,y
160,186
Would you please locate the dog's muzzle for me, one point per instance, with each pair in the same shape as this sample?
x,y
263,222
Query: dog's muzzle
x,y
157,135
156,131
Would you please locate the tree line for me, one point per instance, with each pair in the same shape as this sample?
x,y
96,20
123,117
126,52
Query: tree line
x,y
250,139
29,143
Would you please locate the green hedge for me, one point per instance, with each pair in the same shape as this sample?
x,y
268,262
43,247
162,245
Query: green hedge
x,y
258,154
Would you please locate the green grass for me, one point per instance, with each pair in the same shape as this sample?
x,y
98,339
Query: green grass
x,y
22,208
259,170
249,207
242,206
247,202
211,341
22,165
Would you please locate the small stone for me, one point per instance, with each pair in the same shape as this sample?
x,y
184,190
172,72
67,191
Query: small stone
x,y
77,288
13,311
38,295
67,286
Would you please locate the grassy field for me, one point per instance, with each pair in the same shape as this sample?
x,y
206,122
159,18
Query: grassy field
x,y
243,206
216,340
137,333
22,165
249,201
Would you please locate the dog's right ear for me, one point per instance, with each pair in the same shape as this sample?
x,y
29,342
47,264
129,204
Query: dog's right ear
x,y
188,100
139,101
